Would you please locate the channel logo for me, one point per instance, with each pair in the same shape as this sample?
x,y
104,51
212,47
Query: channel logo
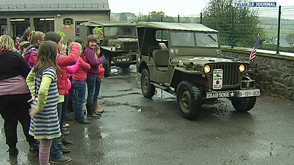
x,y
255,4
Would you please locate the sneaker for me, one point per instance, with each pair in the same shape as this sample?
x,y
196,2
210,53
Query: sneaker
x,y
65,132
65,125
62,159
34,149
66,142
13,152
85,121
93,116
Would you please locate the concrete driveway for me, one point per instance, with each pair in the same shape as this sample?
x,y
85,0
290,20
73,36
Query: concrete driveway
x,y
139,131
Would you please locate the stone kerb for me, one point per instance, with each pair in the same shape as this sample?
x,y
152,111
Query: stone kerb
x,y
274,73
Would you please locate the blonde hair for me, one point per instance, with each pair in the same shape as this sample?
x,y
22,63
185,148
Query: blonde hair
x,y
7,43
70,46
64,48
35,36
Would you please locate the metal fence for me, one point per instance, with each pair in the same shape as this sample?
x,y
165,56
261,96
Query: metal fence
x,y
277,28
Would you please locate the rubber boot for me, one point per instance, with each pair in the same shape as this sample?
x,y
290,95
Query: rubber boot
x,y
90,112
96,108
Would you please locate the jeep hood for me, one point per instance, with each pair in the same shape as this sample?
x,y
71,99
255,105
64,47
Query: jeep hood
x,y
200,60
208,60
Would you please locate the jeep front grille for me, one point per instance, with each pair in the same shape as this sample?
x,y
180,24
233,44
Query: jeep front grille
x,y
230,74
131,46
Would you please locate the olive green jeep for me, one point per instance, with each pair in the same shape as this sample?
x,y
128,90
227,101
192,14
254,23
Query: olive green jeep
x,y
118,42
184,59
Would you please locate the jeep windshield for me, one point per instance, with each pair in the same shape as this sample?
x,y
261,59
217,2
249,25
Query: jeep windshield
x,y
194,39
122,31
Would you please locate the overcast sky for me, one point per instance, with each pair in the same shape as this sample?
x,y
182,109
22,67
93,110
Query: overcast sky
x,y
171,7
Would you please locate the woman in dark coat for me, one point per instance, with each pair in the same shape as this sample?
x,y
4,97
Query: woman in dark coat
x,y
14,95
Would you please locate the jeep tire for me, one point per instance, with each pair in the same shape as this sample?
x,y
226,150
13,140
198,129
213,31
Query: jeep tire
x,y
148,90
243,104
189,99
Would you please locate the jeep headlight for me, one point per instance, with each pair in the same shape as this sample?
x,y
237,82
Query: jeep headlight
x,y
118,46
207,69
242,68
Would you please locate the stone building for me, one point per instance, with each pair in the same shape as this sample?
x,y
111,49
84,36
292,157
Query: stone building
x,y
50,15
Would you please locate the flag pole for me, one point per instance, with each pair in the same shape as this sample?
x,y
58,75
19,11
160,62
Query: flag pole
x,y
253,52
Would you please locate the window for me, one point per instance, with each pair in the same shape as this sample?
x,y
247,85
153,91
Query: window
x,y
161,35
123,31
78,27
206,39
179,38
44,24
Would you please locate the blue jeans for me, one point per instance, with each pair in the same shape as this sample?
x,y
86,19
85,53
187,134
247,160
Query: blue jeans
x,y
97,90
55,153
91,83
79,96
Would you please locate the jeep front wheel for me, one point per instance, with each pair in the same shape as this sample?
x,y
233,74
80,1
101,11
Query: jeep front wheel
x,y
148,90
189,99
243,104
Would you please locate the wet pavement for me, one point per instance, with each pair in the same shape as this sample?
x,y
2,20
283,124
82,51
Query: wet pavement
x,y
139,131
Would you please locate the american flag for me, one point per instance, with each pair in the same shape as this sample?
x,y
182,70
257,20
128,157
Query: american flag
x,y
253,53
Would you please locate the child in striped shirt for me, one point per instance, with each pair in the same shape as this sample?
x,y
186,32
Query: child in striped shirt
x,y
42,82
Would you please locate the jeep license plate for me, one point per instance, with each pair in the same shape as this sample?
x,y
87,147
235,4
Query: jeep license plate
x,y
217,81
248,93
123,59
210,95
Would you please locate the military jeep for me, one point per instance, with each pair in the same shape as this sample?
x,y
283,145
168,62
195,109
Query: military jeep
x,y
184,59
118,42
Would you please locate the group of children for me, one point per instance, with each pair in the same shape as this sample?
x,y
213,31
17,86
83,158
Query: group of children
x,y
53,73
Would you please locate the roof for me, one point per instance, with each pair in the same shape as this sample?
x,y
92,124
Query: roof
x,y
109,23
175,26
52,5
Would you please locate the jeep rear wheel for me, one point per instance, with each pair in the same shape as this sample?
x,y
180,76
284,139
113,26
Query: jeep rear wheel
x,y
148,90
106,65
243,104
189,100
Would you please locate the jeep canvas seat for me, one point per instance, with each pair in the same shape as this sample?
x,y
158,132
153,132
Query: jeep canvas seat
x,y
161,58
